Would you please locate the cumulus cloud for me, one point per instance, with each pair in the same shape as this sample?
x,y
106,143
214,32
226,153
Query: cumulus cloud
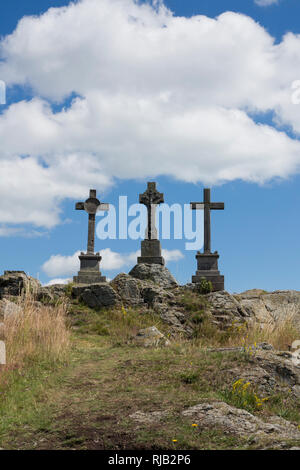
x,y
172,255
61,265
58,281
161,91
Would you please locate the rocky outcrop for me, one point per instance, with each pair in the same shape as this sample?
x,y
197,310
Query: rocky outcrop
x,y
264,307
225,309
268,371
14,282
150,337
51,293
271,307
128,288
145,293
154,272
240,422
95,295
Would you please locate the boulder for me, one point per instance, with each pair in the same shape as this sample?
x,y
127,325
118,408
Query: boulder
x,y
254,305
95,295
150,337
51,293
240,422
226,309
14,282
269,371
128,288
8,308
271,307
154,272
175,318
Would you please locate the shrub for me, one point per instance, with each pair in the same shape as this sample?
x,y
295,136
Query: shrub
x,y
204,286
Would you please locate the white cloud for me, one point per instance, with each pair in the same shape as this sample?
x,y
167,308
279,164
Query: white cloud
x,y
165,95
60,265
172,255
265,3
58,281
7,231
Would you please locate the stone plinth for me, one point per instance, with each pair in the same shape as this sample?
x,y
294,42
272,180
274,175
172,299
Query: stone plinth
x,y
207,267
151,253
89,269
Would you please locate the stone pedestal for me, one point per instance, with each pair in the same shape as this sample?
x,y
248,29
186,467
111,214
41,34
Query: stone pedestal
x,y
207,267
151,253
89,269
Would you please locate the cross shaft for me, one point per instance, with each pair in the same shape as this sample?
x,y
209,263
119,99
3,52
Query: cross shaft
x,y
92,205
151,198
207,205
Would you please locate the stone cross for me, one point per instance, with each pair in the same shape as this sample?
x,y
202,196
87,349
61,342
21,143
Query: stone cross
x,y
92,205
207,205
151,198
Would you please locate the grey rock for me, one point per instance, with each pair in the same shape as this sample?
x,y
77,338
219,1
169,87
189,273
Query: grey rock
x,y
14,282
128,288
269,372
225,309
150,337
240,422
175,318
271,307
254,305
280,365
154,272
51,293
8,308
96,295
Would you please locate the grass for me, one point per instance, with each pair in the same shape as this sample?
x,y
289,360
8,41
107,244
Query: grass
x,y
118,324
84,400
37,334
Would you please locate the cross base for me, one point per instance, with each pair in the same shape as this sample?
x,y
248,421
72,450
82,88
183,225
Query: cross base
x,y
151,253
89,272
207,267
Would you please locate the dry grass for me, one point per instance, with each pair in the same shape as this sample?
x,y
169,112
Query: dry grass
x,y
37,333
280,333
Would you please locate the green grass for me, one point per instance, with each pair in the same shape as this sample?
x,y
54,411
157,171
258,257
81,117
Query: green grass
x,y
86,403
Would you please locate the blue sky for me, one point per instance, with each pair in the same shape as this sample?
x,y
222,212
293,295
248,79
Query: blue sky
x,y
204,105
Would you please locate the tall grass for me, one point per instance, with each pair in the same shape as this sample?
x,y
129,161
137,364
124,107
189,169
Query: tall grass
x,y
280,333
37,333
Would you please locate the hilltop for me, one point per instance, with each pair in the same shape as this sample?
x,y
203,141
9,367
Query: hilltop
x,y
142,363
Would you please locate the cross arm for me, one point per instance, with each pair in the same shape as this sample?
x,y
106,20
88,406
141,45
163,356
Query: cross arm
x,y
196,205
79,206
103,207
217,206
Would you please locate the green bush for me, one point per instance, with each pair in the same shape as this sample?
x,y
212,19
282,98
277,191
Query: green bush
x,y
204,286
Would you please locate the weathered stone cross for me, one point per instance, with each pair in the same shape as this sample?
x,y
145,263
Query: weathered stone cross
x,y
207,205
92,205
151,198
